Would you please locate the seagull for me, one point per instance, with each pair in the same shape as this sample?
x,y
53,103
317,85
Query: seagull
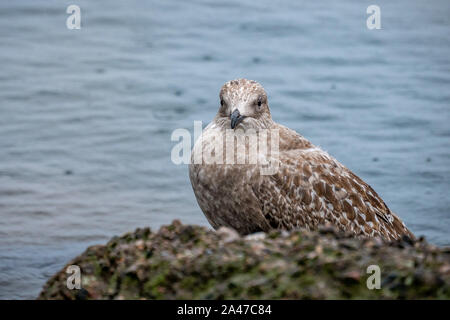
x,y
308,188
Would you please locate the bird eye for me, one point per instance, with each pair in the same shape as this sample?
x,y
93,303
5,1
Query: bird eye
x,y
259,102
222,102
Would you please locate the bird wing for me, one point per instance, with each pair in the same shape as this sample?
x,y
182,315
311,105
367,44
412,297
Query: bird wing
x,y
312,188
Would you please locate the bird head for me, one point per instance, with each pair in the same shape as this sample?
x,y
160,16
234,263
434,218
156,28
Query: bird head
x,y
244,103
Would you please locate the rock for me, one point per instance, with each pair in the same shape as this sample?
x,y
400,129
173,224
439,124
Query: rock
x,y
228,234
192,262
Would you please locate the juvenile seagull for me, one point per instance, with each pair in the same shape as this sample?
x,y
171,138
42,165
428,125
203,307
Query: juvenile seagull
x,y
309,188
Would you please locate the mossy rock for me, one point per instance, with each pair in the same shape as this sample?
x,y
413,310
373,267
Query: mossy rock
x,y
193,262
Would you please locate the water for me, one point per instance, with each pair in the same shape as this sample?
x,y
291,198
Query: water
x,y
86,115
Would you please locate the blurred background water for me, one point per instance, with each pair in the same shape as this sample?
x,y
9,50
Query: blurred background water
x,y
86,115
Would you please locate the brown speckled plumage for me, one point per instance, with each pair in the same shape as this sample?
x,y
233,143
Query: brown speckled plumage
x,y
309,188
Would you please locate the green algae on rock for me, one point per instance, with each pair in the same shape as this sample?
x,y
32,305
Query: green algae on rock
x,y
192,262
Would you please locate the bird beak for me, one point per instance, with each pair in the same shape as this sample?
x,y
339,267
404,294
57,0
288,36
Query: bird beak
x,y
236,118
